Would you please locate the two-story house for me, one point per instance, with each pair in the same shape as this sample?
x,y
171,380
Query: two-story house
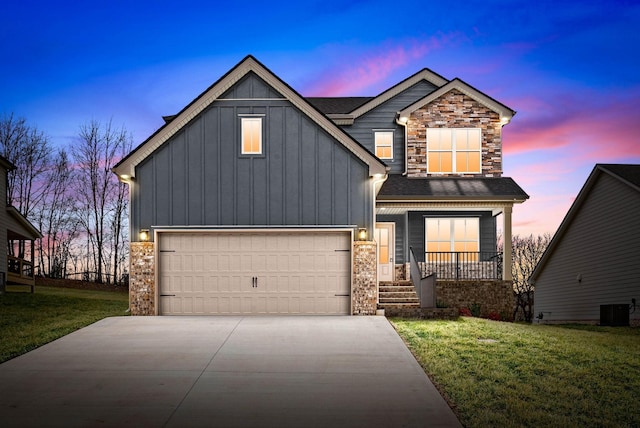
x,y
255,199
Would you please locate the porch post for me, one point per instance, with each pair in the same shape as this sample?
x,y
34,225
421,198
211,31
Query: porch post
x,y
506,227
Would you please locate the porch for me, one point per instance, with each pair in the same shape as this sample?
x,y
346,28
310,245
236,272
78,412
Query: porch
x,y
21,235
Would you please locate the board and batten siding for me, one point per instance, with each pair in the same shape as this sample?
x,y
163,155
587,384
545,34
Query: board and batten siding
x,y
383,117
304,177
602,245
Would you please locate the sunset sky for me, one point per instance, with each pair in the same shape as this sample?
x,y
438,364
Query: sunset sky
x,y
571,69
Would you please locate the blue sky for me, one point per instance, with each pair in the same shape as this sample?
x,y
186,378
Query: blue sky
x,y
571,69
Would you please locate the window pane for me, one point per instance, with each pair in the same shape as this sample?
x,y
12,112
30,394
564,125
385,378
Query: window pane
x,y
434,162
474,139
473,159
446,164
251,135
444,230
384,144
461,162
462,142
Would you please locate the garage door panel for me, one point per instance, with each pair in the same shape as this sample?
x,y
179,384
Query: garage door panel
x,y
215,273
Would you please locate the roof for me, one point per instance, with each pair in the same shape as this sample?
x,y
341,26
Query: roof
x,y
399,187
6,163
126,167
19,227
337,105
627,174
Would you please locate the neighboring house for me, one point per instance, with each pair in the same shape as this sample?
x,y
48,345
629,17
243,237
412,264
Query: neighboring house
x,y
258,200
593,259
14,229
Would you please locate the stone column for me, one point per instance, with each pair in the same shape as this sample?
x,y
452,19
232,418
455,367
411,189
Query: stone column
x,y
142,287
364,293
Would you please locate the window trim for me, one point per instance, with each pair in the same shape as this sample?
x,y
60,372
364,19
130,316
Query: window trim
x,y
454,151
377,132
245,119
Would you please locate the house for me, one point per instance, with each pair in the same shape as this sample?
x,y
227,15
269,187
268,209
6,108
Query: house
x,y
255,199
590,273
16,231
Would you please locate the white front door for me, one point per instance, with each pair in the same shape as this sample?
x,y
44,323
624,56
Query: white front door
x,y
385,237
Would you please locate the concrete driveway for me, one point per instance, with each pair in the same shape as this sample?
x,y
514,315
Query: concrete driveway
x,y
223,372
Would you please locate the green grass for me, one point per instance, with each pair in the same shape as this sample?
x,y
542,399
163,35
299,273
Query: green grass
x,y
504,374
31,320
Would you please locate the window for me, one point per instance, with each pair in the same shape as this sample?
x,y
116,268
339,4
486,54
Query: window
x,y
453,150
384,144
251,135
452,234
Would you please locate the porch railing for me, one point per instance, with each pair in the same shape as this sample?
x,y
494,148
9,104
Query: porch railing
x,y
463,265
20,271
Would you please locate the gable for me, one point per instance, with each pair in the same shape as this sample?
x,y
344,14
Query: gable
x,y
615,202
126,168
502,110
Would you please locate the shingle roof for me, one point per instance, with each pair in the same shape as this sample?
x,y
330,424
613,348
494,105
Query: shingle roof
x,y
337,105
627,172
401,187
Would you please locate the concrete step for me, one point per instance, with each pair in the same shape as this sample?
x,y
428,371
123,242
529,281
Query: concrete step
x,y
396,283
396,289
399,300
401,295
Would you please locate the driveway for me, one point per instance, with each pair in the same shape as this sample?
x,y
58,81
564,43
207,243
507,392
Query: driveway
x,y
223,371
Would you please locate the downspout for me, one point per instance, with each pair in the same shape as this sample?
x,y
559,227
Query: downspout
x,y
402,121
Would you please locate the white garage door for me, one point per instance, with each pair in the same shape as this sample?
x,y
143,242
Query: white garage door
x,y
254,272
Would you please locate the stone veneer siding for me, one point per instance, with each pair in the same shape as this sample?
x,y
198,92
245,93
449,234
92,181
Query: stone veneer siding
x,y
454,110
491,296
364,292
142,290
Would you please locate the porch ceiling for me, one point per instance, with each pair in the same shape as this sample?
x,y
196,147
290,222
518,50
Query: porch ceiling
x,y
385,208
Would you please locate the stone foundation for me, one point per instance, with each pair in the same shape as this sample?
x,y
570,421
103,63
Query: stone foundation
x,y
364,294
401,272
490,296
142,290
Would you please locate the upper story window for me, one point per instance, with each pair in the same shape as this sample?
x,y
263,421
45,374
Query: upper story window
x,y
384,144
251,129
454,150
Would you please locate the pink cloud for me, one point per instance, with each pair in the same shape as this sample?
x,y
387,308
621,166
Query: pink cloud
x,y
591,128
372,68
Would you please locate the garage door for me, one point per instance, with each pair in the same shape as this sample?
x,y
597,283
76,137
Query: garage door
x,y
254,273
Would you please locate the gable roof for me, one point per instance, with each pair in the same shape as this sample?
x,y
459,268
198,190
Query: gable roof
x,y
627,174
343,111
505,112
126,167
398,187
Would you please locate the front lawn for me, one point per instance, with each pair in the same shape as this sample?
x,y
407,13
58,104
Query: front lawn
x,y
31,320
504,374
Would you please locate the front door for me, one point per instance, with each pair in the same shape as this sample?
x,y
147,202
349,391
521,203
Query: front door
x,y
385,237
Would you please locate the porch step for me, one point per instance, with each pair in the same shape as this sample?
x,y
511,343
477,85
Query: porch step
x,y
401,293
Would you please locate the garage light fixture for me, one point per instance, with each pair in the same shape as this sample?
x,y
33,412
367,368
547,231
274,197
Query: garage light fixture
x,y
144,235
362,234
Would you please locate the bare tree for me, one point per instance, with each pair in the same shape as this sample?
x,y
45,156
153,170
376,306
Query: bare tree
x,y
30,151
95,153
527,251
56,219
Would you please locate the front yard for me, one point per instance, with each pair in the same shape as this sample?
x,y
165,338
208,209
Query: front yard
x,y
31,320
503,374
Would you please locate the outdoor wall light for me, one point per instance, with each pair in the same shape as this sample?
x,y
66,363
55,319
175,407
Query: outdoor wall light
x,y
144,235
362,234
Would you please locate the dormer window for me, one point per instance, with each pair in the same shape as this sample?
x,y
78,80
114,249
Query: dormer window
x,y
384,144
454,150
